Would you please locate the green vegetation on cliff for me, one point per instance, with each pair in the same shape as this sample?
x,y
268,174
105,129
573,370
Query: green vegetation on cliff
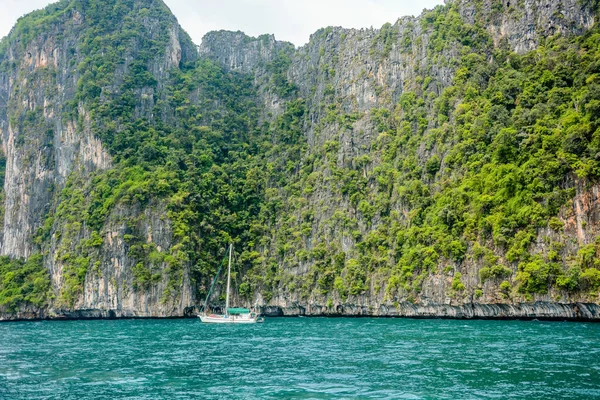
x,y
23,283
471,176
469,182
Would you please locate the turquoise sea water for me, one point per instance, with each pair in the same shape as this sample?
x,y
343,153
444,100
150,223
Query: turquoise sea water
x,y
300,358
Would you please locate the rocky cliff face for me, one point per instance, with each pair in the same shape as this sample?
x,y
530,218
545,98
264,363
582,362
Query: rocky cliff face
x,y
65,69
523,23
347,77
48,142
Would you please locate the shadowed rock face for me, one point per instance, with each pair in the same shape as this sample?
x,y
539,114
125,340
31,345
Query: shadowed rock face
x,y
362,70
235,51
537,310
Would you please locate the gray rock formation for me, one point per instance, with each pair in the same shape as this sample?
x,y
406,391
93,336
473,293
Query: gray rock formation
x,y
46,143
47,139
536,310
367,69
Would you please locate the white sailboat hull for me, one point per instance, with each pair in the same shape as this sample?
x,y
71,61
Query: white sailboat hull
x,y
229,319
233,315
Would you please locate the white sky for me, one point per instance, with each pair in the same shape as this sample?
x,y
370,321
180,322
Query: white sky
x,y
291,20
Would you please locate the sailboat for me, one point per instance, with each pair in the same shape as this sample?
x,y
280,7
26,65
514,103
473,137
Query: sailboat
x,y
232,315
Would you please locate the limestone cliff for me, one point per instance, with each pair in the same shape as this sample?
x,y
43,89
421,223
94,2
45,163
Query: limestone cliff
x,y
47,138
335,154
346,76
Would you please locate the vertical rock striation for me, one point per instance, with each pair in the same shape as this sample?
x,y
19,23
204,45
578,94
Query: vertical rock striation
x,y
48,140
65,68
348,79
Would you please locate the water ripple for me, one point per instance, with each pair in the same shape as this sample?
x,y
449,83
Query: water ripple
x,y
305,358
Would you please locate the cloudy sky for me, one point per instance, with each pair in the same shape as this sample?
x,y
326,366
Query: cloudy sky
x,y
290,20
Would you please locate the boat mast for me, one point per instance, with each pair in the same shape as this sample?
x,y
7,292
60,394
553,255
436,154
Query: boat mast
x,y
228,279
